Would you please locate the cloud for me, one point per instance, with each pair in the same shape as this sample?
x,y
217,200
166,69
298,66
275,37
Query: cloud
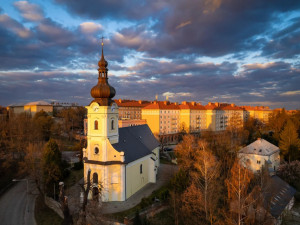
x,y
30,12
179,94
284,42
130,10
90,27
14,26
289,93
254,66
183,24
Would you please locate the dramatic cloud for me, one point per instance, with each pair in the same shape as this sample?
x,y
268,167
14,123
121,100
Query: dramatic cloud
x,y
30,12
134,9
90,27
193,50
13,26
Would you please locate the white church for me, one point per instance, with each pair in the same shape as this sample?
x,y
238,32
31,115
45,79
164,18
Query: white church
x,y
122,160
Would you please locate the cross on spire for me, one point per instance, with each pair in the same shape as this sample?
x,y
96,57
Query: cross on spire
x,y
102,41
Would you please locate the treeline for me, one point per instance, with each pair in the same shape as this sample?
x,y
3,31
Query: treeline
x,y
25,140
211,186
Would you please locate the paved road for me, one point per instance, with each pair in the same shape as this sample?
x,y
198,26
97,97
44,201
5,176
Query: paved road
x,y
15,209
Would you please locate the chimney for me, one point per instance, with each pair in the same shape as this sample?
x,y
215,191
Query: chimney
x,y
193,103
166,102
175,103
209,103
183,103
140,101
120,100
156,97
232,104
167,97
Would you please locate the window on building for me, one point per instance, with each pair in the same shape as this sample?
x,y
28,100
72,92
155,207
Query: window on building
x,y
96,150
141,168
113,124
96,125
95,178
258,161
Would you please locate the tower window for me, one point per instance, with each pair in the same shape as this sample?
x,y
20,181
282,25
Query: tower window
x,y
141,168
95,178
112,124
96,150
96,125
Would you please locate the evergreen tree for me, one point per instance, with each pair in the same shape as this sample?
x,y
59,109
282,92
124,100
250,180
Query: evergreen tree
x,y
52,166
289,142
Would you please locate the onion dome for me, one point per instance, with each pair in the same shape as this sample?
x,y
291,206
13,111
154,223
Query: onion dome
x,y
103,92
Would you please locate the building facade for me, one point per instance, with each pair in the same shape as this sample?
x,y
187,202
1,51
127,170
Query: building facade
x,y
31,108
119,160
259,153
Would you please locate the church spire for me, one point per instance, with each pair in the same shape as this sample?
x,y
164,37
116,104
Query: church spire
x,y
103,92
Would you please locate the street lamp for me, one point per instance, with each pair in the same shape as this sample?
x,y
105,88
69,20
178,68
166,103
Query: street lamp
x,y
16,180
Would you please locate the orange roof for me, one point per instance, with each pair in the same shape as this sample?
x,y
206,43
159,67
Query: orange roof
x,y
131,103
231,107
256,108
162,105
192,106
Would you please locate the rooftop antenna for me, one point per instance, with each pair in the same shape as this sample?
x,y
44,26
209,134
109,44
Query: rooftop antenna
x,y
156,97
167,97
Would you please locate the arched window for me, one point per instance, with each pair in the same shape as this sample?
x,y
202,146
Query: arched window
x,y
96,125
112,124
95,178
141,168
96,150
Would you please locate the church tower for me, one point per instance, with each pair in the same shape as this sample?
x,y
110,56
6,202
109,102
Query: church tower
x,y
105,163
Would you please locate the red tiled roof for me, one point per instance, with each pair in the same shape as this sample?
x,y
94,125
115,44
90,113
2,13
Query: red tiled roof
x,y
131,103
256,108
162,105
192,106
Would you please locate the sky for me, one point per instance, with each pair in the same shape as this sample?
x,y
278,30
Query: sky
x,y
243,52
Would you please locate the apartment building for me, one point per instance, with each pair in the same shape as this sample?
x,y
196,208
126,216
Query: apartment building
x,y
130,109
162,117
168,119
221,115
261,113
192,117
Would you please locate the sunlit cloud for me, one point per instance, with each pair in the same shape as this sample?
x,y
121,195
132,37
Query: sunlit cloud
x,y
14,26
31,12
256,94
90,27
289,93
254,66
178,94
183,24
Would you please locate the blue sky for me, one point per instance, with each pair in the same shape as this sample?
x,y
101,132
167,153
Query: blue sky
x,y
246,52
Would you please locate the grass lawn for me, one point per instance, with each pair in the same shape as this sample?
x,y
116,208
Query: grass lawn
x,y
165,217
44,215
162,194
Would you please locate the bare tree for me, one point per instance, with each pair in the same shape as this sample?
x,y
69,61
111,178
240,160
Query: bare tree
x,y
90,209
237,186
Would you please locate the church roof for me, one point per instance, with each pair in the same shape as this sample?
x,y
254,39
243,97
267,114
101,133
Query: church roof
x,y
136,142
260,147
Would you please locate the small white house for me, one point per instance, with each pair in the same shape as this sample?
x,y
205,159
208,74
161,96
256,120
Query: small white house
x,y
259,152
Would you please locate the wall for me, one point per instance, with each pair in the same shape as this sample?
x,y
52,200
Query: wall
x,y
134,179
152,118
